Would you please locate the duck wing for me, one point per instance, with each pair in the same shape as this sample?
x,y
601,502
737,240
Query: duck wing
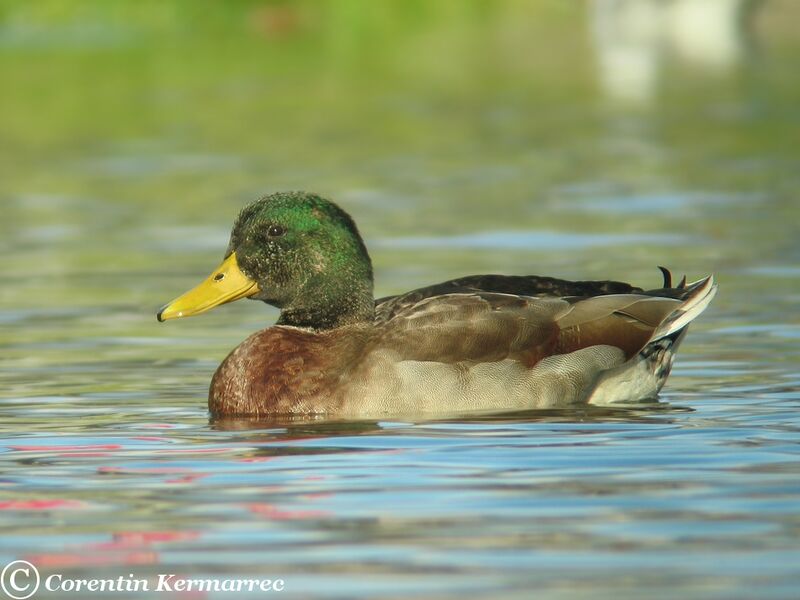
x,y
528,286
489,327
486,350
519,285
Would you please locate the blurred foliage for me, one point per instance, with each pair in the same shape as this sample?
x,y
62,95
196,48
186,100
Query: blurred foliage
x,y
132,130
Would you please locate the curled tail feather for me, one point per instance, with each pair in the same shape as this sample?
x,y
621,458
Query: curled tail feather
x,y
699,295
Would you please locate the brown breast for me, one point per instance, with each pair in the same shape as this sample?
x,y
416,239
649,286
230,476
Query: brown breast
x,y
282,370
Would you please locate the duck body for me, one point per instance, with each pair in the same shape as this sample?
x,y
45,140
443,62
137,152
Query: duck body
x,y
474,344
472,351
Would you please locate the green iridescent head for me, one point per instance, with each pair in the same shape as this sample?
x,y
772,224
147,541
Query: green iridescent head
x,y
297,251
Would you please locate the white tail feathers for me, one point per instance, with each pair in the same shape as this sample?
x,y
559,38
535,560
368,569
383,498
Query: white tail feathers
x,y
701,292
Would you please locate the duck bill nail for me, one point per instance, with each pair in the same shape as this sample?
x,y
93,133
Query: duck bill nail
x,y
225,284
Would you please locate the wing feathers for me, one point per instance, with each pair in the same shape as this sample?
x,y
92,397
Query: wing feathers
x,y
487,327
630,321
479,327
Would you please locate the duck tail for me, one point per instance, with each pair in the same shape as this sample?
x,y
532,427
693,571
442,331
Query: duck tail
x,y
696,298
644,375
659,353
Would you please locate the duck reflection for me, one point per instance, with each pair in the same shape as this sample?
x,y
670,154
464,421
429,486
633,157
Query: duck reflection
x,y
296,427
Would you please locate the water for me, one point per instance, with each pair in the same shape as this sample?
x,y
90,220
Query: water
x,y
463,139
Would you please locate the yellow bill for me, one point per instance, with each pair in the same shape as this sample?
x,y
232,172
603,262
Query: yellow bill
x,y
225,284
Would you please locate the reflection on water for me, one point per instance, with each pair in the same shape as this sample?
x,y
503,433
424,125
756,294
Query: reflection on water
x,y
634,38
464,138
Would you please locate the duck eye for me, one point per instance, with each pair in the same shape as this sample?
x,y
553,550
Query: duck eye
x,y
275,231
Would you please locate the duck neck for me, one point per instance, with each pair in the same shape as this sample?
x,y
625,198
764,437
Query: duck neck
x,y
327,304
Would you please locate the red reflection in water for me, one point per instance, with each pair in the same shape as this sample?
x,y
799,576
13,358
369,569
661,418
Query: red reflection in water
x,y
59,448
43,504
187,478
124,548
93,559
273,512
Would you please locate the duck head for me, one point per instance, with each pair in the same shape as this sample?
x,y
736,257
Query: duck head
x,y
296,251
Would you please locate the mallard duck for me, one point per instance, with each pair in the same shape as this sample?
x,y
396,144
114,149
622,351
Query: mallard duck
x,y
478,343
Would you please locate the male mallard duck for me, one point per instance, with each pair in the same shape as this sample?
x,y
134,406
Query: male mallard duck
x,y
485,342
